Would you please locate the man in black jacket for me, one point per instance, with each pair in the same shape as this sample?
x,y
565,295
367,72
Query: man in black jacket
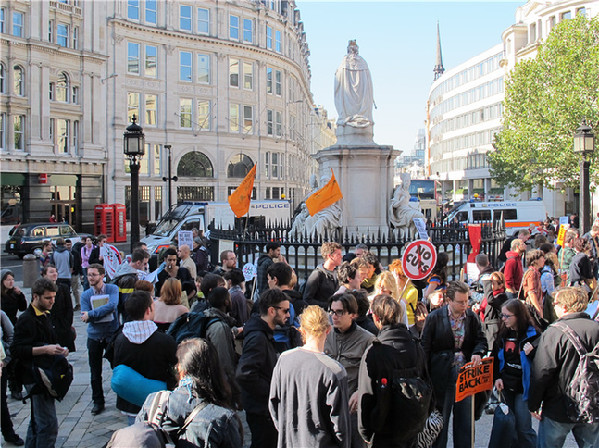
x,y
553,369
273,250
452,337
322,282
257,363
34,336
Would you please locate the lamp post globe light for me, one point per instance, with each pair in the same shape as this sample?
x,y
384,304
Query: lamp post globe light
x,y
584,144
133,147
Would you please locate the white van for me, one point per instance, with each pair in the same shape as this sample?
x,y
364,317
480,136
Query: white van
x,y
517,214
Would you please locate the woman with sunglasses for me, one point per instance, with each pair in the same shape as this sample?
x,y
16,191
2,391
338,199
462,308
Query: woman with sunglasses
x,y
515,342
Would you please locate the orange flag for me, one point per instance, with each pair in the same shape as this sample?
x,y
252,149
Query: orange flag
x,y
240,198
325,197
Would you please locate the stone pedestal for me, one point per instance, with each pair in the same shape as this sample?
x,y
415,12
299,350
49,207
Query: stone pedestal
x,y
365,176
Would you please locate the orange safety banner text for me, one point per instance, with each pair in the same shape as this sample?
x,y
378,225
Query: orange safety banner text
x,y
472,380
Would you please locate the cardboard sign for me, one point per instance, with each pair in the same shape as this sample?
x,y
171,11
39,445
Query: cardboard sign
x,y
420,224
472,380
419,259
561,235
185,238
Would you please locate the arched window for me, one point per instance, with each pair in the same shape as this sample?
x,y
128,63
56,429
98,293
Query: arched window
x,y
2,78
195,164
239,166
62,88
19,81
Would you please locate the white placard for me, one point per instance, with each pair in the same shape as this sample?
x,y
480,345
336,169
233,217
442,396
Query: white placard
x,y
420,224
185,238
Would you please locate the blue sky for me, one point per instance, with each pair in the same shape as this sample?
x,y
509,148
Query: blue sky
x,y
398,41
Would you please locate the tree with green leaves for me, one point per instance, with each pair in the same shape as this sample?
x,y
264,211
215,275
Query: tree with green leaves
x,y
546,98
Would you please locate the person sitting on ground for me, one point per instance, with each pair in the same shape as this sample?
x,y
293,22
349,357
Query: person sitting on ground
x,y
201,383
168,306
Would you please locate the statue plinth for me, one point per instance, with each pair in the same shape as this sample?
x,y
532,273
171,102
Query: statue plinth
x,y
351,135
365,175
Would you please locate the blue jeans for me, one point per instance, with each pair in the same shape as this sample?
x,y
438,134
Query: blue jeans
x,y
553,434
462,425
95,352
527,438
43,426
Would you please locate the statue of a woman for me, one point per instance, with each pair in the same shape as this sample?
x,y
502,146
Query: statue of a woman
x,y
401,214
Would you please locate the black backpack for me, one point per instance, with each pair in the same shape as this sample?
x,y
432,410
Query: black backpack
x,y
53,376
190,325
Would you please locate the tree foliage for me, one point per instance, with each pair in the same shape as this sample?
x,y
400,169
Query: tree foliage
x,y
546,99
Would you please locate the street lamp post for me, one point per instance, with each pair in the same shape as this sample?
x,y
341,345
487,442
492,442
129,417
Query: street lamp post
x,y
584,144
133,147
169,178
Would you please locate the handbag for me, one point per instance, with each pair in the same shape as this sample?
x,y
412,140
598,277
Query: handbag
x,y
432,429
503,433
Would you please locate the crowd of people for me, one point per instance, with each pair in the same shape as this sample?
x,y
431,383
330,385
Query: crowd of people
x,y
316,364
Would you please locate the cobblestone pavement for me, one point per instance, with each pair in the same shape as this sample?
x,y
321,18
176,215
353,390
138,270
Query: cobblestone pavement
x,y
79,428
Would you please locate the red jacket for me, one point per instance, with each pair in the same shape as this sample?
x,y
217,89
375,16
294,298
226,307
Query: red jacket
x,y
513,271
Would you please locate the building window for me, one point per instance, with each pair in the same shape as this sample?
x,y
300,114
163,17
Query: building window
x,y
62,35
278,87
150,15
156,159
62,88
62,134
2,78
185,113
3,131
278,46
234,27
248,119
248,30
2,20
151,61
76,136
17,24
565,15
52,133
157,202
239,166
203,21
75,95
204,68
185,66
132,106
185,18
234,72
268,38
278,124
248,76
195,194
18,81
133,9
533,33
76,38
133,58
19,131
269,122
234,118
268,80
275,166
150,108
204,115
50,30
582,11
195,164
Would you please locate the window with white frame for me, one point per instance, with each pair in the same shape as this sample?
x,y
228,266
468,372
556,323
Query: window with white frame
x,y
3,131
150,109
185,18
234,72
204,68
278,45
76,38
19,131
278,84
203,21
50,30
62,88
52,132
185,67
156,159
17,24
62,136
204,115
18,81
248,76
248,30
269,122
268,37
278,124
2,78
150,12
76,136
248,119
234,117
185,113
2,20
132,106
151,60
133,58
133,9
62,35
274,165
268,80
234,27
75,94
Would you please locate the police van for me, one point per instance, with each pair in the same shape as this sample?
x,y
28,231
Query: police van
x,y
516,214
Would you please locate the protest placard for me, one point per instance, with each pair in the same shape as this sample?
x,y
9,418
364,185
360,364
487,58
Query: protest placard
x,y
474,379
185,238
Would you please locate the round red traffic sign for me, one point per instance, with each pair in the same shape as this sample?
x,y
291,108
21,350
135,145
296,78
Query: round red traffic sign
x,y
419,259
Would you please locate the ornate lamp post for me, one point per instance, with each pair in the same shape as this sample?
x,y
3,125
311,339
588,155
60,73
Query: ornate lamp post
x,y
584,144
169,178
133,147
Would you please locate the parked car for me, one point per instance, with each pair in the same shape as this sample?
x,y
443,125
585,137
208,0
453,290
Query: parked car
x,y
26,238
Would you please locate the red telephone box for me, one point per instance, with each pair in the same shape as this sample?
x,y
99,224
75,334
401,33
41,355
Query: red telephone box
x,y
104,221
120,223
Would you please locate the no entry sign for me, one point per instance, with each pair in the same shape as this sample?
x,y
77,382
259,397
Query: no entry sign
x,y
419,259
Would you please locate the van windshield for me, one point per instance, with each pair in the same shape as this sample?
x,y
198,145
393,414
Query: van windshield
x,y
166,226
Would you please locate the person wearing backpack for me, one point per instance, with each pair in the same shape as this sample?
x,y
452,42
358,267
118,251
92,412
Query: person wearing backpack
x,y
559,373
33,338
385,419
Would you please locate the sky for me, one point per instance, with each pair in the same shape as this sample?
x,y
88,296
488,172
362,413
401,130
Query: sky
x,y
398,41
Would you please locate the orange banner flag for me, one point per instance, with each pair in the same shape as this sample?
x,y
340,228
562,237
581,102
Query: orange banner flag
x,y
240,198
325,197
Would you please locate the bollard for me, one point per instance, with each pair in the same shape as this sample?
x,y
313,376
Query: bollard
x,y
31,270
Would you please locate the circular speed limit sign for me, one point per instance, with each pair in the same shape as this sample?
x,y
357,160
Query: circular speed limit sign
x,y
419,259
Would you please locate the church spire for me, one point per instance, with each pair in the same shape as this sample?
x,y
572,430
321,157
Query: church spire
x,y
438,70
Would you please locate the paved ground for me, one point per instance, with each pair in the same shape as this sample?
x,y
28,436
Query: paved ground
x,y
78,428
